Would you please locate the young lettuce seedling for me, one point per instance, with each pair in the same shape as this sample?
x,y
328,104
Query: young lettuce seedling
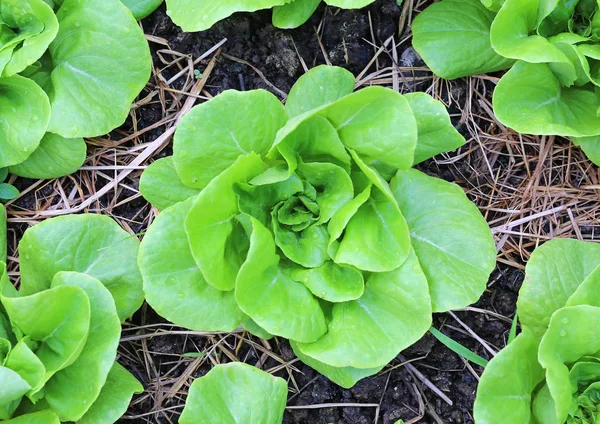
x,y
307,222
551,48
550,373
60,331
68,69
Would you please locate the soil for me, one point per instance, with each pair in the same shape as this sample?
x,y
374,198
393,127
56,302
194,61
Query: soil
x,y
348,38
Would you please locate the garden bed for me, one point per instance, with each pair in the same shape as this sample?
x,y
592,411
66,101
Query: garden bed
x,y
529,189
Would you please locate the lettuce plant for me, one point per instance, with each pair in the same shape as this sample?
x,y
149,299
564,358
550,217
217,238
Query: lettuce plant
x,y
551,372
235,393
551,47
199,15
68,69
307,222
60,331
7,191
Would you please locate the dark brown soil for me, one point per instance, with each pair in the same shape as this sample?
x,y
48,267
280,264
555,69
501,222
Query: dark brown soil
x,y
346,37
252,38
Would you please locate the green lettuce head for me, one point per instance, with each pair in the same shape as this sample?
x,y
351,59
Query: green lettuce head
x,y
551,47
60,331
199,15
66,73
551,372
307,222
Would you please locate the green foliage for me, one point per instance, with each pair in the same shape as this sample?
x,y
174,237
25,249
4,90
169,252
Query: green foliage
x,y
65,73
3,242
307,222
551,47
200,15
59,333
7,191
550,373
235,393
142,8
